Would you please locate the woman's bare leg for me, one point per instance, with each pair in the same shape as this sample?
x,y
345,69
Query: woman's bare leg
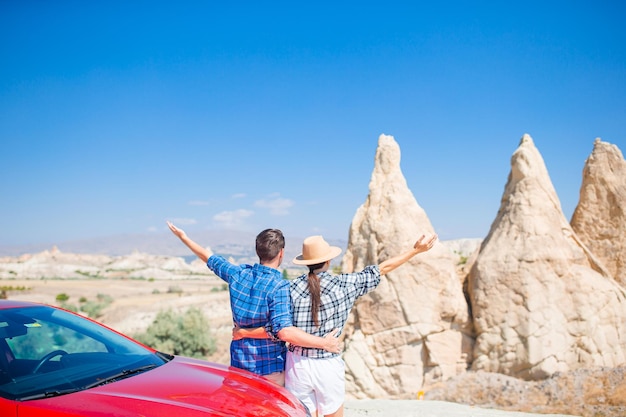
x,y
338,413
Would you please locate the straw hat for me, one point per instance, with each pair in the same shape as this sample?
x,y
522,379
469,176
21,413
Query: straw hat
x,y
316,250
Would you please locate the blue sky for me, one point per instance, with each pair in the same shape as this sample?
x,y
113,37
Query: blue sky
x,y
116,116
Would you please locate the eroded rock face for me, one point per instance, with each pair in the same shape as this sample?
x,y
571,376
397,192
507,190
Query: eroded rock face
x,y
600,216
414,329
541,302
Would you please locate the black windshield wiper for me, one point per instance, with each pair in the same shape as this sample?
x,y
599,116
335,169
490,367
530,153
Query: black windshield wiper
x,y
165,356
120,375
49,394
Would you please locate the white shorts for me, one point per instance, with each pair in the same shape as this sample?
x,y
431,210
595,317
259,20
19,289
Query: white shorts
x,y
319,383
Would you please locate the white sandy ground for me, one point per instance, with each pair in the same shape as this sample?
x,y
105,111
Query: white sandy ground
x,y
414,408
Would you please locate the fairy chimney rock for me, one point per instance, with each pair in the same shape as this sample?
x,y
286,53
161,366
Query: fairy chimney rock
x,y
413,329
599,219
539,304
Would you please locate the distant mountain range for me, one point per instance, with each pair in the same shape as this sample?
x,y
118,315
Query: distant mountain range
x,y
238,244
229,243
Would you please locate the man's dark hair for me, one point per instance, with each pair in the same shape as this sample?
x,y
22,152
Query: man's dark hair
x,y
269,243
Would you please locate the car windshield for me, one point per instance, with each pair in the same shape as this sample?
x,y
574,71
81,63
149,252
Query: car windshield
x,y
46,351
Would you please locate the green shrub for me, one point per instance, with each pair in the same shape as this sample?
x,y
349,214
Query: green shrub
x,y
4,290
91,308
12,288
62,297
184,334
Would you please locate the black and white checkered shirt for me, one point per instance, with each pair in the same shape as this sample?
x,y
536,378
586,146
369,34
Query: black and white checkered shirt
x,y
338,294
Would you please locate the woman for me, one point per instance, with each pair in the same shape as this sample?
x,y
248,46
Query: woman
x,y
322,302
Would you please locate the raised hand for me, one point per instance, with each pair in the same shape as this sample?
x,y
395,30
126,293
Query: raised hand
x,y
423,244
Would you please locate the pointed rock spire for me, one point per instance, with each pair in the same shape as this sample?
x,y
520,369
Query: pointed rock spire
x,y
389,210
539,304
413,329
599,219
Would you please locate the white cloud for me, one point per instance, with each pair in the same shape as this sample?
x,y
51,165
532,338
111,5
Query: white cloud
x,y
277,205
238,195
232,218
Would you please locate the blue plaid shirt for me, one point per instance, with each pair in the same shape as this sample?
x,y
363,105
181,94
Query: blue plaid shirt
x,y
259,297
338,295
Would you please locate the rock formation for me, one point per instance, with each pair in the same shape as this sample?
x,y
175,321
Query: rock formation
x,y
541,302
414,329
600,216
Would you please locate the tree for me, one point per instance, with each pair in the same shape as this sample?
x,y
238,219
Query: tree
x,y
185,334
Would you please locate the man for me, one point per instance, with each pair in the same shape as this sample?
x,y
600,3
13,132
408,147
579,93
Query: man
x,y
259,297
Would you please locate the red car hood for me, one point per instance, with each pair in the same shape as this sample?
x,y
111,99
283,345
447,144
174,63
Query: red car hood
x,y
181,388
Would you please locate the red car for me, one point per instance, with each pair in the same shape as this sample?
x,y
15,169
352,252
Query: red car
x,y
55,363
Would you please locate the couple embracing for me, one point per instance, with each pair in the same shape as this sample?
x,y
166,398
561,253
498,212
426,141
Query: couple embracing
x,y
308,313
